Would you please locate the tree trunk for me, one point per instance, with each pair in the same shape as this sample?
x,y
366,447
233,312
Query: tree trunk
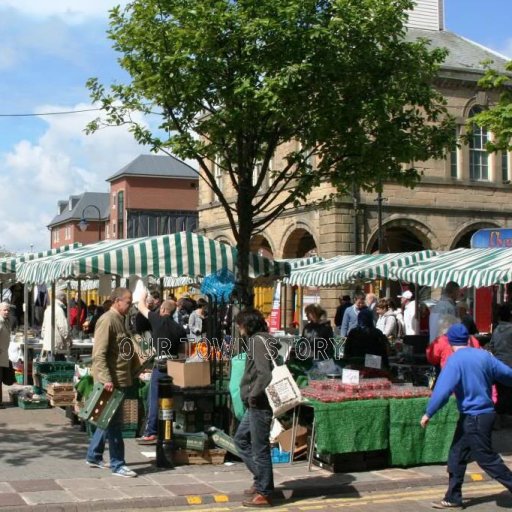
x,y
245,229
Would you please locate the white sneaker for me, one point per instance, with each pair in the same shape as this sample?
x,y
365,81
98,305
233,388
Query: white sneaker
x,y
125,472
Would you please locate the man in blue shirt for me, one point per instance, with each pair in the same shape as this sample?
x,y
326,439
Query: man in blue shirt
x,y
469,373
351,313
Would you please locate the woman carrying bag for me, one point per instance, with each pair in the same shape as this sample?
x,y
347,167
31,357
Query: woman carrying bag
x,y
252,436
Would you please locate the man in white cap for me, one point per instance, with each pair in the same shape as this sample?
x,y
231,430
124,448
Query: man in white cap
x,y
409,307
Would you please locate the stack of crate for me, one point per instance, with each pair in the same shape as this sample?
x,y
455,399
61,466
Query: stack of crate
x,y
57,371
60,394
130,417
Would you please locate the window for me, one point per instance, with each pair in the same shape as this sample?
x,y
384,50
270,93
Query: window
x,y
478,157
217,174
504,166
107,231
113,200
308,157
56,235
256,172
67,233
120,214
114,229
453,156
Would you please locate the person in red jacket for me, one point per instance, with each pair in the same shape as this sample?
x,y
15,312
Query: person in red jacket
x,y
440,350
74,322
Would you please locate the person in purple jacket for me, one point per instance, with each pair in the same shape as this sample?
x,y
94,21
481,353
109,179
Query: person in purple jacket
x,y
469,373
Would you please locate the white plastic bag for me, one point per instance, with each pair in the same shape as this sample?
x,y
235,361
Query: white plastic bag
x,y
14,351
283,393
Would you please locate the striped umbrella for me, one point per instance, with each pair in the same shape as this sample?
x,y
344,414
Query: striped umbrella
x,y
467,267
176,255
8,265
349,268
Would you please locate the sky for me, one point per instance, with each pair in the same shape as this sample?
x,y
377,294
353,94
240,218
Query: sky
x,y
48,50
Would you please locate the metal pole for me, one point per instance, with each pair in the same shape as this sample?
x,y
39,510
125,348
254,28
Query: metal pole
x,y
52,324
25,333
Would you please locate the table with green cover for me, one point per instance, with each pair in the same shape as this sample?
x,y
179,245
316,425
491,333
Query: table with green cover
x,y
394,424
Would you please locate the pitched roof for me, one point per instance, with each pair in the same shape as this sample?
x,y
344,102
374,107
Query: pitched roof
x,y
464,55
80,202
161,166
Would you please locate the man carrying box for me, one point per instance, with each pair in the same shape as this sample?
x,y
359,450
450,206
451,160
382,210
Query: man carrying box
x,y
111,369
167,335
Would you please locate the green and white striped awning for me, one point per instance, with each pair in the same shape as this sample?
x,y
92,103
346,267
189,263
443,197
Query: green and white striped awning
x,y
467,267
296,263
177,255
8,265
350,268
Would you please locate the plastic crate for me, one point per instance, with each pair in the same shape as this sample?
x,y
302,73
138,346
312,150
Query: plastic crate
x,y
279,457
129,433
63,377
54,366
29,404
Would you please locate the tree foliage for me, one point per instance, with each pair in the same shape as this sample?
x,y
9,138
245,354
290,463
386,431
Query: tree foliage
x,y
497,119
237,79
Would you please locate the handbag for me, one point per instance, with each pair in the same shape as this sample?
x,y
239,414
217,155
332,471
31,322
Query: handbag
x,y
8,375
283,394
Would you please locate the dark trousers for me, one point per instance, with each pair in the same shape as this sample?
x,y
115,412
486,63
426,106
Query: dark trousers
x,y
252,441
157,375
472,441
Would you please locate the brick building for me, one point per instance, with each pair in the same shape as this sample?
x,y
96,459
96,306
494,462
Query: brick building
x,y
467,191
152,195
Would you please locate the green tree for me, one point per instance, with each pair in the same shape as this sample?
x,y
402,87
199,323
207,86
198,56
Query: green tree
x,y
497,119
236,79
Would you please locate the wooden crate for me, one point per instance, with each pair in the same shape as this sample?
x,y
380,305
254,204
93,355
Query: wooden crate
x,y
190,457
60,394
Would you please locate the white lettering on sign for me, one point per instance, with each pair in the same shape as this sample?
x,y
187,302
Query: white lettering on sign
x,y
350,377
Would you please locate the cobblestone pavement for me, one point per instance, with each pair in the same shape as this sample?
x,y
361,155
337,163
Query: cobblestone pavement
x,y
42,467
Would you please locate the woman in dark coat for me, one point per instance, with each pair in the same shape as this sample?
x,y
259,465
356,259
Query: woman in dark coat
x,y
318,332
366,339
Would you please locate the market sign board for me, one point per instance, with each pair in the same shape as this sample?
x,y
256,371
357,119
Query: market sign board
x,y
492,238
350,377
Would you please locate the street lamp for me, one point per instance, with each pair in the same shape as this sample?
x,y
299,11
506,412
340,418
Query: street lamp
x,y
83,224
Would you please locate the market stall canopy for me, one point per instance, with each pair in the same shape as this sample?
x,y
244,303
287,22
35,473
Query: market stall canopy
x,y
177,255
349,268
8,265
468,267
302,262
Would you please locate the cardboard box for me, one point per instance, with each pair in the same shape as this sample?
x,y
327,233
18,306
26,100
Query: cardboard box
x,y
189,375
285,439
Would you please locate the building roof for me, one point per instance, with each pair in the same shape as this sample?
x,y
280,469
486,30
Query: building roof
x,y
78,202
156,166
464,55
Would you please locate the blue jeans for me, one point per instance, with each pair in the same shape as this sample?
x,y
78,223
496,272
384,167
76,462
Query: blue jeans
x,y
112,434
252,441
152,422
472,441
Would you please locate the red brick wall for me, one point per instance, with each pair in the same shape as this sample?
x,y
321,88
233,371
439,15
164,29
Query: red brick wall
x,y
161,194
89,236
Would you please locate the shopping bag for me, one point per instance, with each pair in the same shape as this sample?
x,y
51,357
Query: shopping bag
x,y
237,372
283,394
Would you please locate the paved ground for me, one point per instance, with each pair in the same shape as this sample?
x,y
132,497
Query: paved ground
x,y
42,468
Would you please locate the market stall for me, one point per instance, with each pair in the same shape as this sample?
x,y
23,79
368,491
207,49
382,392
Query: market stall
x,y
178,258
